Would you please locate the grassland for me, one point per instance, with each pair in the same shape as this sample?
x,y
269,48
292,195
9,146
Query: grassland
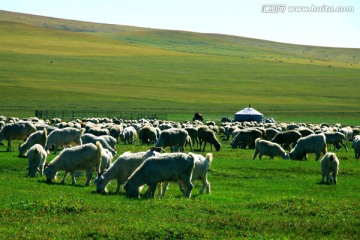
x,y
68,65
61,64
252,199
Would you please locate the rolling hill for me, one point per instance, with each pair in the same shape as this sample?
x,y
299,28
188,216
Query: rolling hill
x,y
62,65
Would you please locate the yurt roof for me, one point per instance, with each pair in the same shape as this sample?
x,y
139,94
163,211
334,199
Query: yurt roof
x,y
248,111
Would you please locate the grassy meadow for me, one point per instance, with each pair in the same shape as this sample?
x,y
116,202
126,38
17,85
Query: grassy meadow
x,y
252,199
56,64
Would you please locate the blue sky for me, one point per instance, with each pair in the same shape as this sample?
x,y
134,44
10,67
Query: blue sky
x,y
250,18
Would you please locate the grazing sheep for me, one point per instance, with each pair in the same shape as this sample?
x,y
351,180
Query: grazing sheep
x,y
84,157
287,138
336,138
36,160
115,131
110,140
98,131
64,137
268,148
129,135
193,134
356,146
172,137
314,143
38,137
329,167
16,131
270,133
90,138
148,135
106,158
202,165
207,135
157,169
246,137
305,131
121,169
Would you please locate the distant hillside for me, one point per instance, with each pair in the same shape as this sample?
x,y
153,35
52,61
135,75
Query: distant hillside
x,y
200,43
64,65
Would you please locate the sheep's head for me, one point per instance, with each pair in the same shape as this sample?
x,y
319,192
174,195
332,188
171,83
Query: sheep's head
x,y
217,146
100,184
50,173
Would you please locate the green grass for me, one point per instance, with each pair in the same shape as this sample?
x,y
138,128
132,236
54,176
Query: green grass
x,y
57,64
253,199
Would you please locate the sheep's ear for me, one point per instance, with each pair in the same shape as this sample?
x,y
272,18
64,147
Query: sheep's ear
x,y
331,158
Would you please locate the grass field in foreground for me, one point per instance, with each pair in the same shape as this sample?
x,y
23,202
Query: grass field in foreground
x,y
60,65
252,199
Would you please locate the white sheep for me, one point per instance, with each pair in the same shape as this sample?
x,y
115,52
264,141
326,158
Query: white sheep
x,y
336,138
16,131
314,143
157,169
122,168
356,146
268,148
84,157
110,140
206,135
90,138
38,137
129,135
36,160
329,167
202,165
173,137
64,137
106,159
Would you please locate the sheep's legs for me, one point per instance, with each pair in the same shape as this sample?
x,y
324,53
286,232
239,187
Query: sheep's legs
x,y
88,177
9,146
63,180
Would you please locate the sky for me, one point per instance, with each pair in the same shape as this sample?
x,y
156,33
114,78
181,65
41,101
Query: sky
x,y
307,22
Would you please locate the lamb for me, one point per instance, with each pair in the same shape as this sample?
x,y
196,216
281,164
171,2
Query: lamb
x,y
246,137
356,146
336,138
207,135
287,138
172,137
329,167
314,143
64,137
36,160
202,165
128,135
90,138
38,137
121,169
268,148
16,131
84,157
165,167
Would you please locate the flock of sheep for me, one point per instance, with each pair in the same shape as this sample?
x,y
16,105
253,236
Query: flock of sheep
x,y
90,145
